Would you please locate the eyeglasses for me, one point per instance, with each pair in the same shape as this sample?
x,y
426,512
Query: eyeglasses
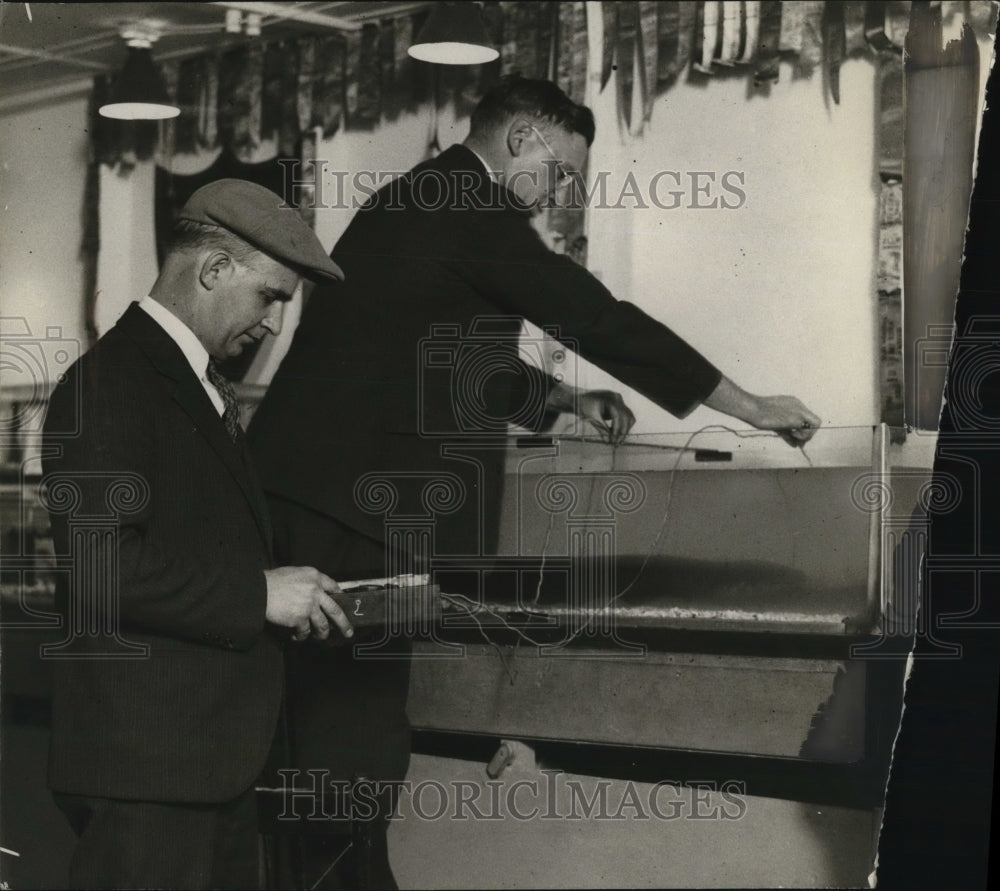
x,y
565,176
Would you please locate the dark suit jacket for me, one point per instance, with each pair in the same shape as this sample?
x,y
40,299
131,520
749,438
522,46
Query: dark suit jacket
x,y
383,370
194,719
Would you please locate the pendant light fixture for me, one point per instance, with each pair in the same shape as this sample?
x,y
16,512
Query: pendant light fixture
x,y
454,34
139,93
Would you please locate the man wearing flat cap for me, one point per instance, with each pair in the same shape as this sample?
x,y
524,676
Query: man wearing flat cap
x,y
161,725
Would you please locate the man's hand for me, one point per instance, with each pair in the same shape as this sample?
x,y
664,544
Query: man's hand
x,y
299,597
605,409
786,415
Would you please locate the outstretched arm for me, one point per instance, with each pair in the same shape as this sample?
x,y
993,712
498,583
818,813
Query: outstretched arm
x,y
786,415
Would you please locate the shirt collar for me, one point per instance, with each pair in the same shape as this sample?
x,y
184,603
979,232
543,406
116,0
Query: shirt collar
x,y
482,161
183,336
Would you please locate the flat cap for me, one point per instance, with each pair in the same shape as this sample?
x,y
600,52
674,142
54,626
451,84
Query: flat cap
x,y
262,219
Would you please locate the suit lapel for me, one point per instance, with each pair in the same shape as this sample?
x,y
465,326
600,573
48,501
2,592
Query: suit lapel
x,y
190,395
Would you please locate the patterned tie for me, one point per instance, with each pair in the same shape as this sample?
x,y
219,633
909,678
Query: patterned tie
x,y
231,416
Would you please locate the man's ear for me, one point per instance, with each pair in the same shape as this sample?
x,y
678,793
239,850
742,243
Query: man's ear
x,y
518,131
213,267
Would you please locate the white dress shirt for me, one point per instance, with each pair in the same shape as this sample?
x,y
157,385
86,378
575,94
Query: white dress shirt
x,y
189,344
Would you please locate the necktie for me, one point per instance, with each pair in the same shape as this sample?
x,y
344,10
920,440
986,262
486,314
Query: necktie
x,y
231,416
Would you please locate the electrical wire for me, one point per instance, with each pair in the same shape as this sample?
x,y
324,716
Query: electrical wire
x,y
460,600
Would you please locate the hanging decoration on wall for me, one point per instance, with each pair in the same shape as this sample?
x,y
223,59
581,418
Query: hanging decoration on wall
x,y
241,81
752,36
834,46
811,53
572,49
768,37
544,54
326,103
366,115
245,95
305,78
609,28
706,36
628,25
279,114
197,94
668,30
649,53
488,73
352,78
730,46
889,262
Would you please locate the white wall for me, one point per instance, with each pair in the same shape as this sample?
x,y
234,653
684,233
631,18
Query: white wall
x,y
43,156
355,163
127,266
778,291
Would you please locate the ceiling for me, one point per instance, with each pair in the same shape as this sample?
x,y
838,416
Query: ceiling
x,y
53,46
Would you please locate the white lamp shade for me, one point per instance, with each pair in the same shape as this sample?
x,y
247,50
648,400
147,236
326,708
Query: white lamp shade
x,y
139,93
454,34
